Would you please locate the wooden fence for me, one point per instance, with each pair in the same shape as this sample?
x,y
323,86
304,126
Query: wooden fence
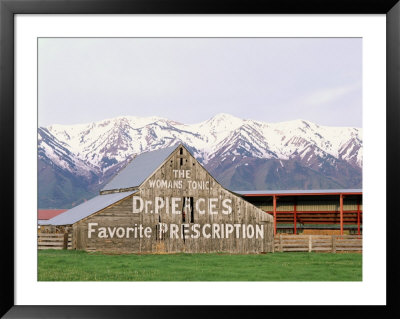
x,y
54,241
318,243
282,243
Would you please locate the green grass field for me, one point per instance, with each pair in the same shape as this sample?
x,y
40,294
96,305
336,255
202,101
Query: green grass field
x,y
63,265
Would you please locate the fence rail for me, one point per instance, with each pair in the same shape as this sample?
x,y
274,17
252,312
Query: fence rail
x,y
320,243
54,241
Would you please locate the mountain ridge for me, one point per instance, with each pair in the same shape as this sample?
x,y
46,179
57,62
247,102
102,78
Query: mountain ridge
x,y
298,150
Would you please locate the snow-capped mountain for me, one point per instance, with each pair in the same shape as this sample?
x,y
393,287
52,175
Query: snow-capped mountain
x,y
224,144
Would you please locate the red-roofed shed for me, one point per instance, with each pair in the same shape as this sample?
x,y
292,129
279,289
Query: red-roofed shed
x,y
46,214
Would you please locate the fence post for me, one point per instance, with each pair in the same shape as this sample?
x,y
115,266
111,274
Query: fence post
x,y
309,244
65,244
333,244
280,243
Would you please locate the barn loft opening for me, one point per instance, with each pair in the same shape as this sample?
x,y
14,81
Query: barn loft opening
x,y
191,210
183,210
187,210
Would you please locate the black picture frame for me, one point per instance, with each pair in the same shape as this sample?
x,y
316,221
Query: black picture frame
x,y
8,8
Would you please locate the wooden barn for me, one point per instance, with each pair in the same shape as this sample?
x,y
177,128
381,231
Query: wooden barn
x,y
165,201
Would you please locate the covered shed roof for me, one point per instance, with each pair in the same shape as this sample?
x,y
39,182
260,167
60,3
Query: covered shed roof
x,y
300,192
86,209
140,168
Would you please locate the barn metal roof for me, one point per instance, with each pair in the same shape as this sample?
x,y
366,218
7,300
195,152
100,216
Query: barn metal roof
x,y
300,192
86,209
136,172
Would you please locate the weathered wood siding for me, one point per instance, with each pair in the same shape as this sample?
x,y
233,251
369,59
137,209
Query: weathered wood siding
x,y
121,215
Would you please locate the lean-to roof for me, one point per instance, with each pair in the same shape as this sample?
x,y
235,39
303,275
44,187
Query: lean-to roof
x,y
86,209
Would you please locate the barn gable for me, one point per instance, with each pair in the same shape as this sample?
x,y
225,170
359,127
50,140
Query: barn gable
x,y
181,173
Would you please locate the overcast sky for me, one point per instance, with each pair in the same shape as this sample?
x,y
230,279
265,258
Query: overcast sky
x,y
190,80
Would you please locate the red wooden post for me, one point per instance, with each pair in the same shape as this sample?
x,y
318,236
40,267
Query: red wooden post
x,y
295,217
358,216
274,204
341,214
